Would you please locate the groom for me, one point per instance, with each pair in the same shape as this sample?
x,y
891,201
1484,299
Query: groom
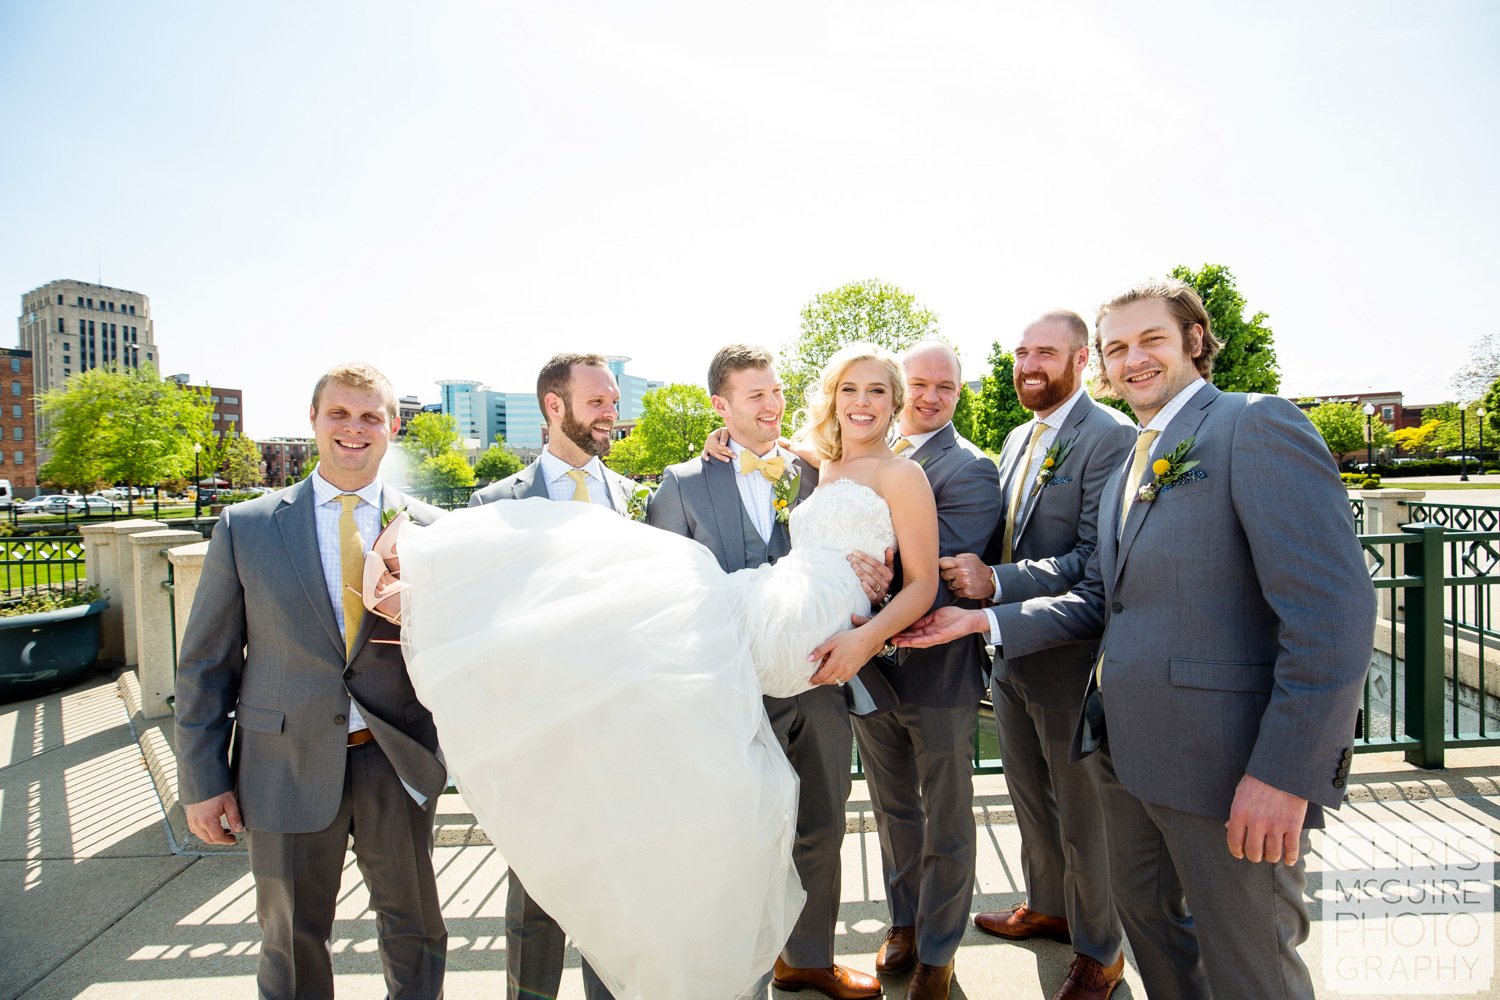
x,y
729,507
580,401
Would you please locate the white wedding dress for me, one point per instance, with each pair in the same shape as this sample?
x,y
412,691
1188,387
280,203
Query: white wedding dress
x,y
596,685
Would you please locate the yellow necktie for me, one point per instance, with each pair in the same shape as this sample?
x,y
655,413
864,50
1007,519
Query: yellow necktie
x,y
901,445
1020,484
771,468
1138,462
580,485
352,569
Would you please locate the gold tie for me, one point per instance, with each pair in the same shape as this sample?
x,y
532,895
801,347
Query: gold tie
x,y
902,444
580,485
1138,463
1020,483
771,468
352,568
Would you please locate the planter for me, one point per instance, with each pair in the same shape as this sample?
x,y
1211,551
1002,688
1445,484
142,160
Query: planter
x,y
48,650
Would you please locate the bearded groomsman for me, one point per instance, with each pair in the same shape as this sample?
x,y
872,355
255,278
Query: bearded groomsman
x,y
919,758
731,508
580,401
1236,613
1054,469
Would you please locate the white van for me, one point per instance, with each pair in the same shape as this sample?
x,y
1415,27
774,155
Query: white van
x,y
7,497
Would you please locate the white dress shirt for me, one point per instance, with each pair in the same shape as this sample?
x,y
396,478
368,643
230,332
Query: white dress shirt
x,y
755,489
327,511
555,471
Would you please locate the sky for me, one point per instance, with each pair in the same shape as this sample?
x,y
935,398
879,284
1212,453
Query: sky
x,y
459,190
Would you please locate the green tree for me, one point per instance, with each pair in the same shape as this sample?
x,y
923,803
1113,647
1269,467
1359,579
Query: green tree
x,y
432,435
1417,439
675,421
870,310
498,461
999,410
964,411
1452,434
1247,361
628,457
449,470
1342,426
242,461
122,425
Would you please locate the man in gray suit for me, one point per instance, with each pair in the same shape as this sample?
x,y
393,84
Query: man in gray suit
x,y
580,401
1237,612
918,759
729,507
296,720
1054,469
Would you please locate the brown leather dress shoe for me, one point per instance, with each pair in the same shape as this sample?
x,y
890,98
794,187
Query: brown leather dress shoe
x,y
1088,980
835,981
898,953
1022,923
930,982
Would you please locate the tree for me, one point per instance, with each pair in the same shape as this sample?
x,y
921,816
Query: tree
x,y
1247,361
122,425
628,457
999,410
1453,434
675,421
1414,439
1341,425
964,411
870,310
1481,372
432,435
498,461
450,470
242,461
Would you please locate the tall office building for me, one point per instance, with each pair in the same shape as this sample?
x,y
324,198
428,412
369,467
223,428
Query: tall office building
x,y
460,400
72,326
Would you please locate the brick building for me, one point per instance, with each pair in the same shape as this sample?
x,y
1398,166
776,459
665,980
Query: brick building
x,y
17,420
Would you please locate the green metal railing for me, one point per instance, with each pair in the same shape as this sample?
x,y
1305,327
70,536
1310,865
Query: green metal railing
x,y
33,563
1357,508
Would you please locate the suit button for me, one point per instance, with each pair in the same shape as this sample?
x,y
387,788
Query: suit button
x,y
1116,607
348,673
1338,782
1347,753
339,720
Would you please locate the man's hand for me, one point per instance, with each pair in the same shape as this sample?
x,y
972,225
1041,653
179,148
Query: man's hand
x,y
943,625
967,576
203,819
874,577
1265,823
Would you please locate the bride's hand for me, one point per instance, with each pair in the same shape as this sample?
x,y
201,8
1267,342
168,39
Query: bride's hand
x,y
717,446
841,656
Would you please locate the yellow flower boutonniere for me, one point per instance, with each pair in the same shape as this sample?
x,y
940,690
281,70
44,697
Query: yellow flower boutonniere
x,y
784,494
640,500
1167,471
1050,464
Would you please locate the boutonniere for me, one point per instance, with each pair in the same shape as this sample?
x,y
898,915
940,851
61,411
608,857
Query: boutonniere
x,y
390,514
784,493
1167,471
1050,463
635,507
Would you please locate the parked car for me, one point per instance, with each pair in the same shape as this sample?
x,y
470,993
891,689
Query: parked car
x,y
53,504
93,504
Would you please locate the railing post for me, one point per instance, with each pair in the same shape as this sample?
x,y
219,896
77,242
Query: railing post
x,y
153,617
1424,647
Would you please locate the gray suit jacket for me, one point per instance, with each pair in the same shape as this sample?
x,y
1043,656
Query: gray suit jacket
x,y
1057,532
529,483
966,486
262,642
1237,614
699,499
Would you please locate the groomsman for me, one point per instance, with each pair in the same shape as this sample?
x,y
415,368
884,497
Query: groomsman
x,y
296,726
918,758
1054,469
580,401
1237,612
729,507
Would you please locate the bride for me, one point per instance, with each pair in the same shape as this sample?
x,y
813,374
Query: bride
x,y
596,686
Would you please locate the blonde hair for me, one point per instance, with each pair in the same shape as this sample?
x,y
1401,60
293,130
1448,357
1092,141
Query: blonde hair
x,y
820,422
357,375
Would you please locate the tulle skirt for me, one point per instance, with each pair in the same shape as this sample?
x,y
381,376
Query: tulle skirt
x,y
598,708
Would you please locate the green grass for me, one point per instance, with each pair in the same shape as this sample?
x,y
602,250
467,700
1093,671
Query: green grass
x,y
1394,484
32,576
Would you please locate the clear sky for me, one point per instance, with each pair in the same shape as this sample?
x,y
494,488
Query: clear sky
x,y
458,190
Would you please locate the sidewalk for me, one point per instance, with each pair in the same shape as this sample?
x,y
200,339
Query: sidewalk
x,y
96,904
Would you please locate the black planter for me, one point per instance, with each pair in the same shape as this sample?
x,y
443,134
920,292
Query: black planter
x,y
48,650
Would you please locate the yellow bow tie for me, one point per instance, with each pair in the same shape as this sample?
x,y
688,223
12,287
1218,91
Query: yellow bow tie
x,y
771,468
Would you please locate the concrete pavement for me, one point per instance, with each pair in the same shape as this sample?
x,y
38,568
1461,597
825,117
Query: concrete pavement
x,y
96,904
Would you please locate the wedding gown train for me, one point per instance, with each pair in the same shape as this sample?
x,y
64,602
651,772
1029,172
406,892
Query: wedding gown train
x,y
596,686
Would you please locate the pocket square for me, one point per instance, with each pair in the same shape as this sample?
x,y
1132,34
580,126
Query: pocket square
x,y
1059,481
1190,476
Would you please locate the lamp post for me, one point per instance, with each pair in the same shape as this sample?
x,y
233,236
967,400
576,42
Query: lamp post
x,y
1463,446
1369,437
1480,414
197,482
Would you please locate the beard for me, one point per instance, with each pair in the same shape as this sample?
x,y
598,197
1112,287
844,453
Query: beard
x,y
1049,393
582,435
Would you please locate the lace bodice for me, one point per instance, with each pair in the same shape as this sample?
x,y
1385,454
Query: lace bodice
x,y
843,515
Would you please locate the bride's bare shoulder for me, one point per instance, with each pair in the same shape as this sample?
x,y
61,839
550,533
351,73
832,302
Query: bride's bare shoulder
x,y
897,474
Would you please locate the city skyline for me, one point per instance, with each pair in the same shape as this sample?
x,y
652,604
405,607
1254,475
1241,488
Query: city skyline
x,y
459,192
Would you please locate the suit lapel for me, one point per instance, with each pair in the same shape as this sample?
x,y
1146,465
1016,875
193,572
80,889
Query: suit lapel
x,y
532,483
1182,427
1068,432
933,450
296,520
724,501
615,483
